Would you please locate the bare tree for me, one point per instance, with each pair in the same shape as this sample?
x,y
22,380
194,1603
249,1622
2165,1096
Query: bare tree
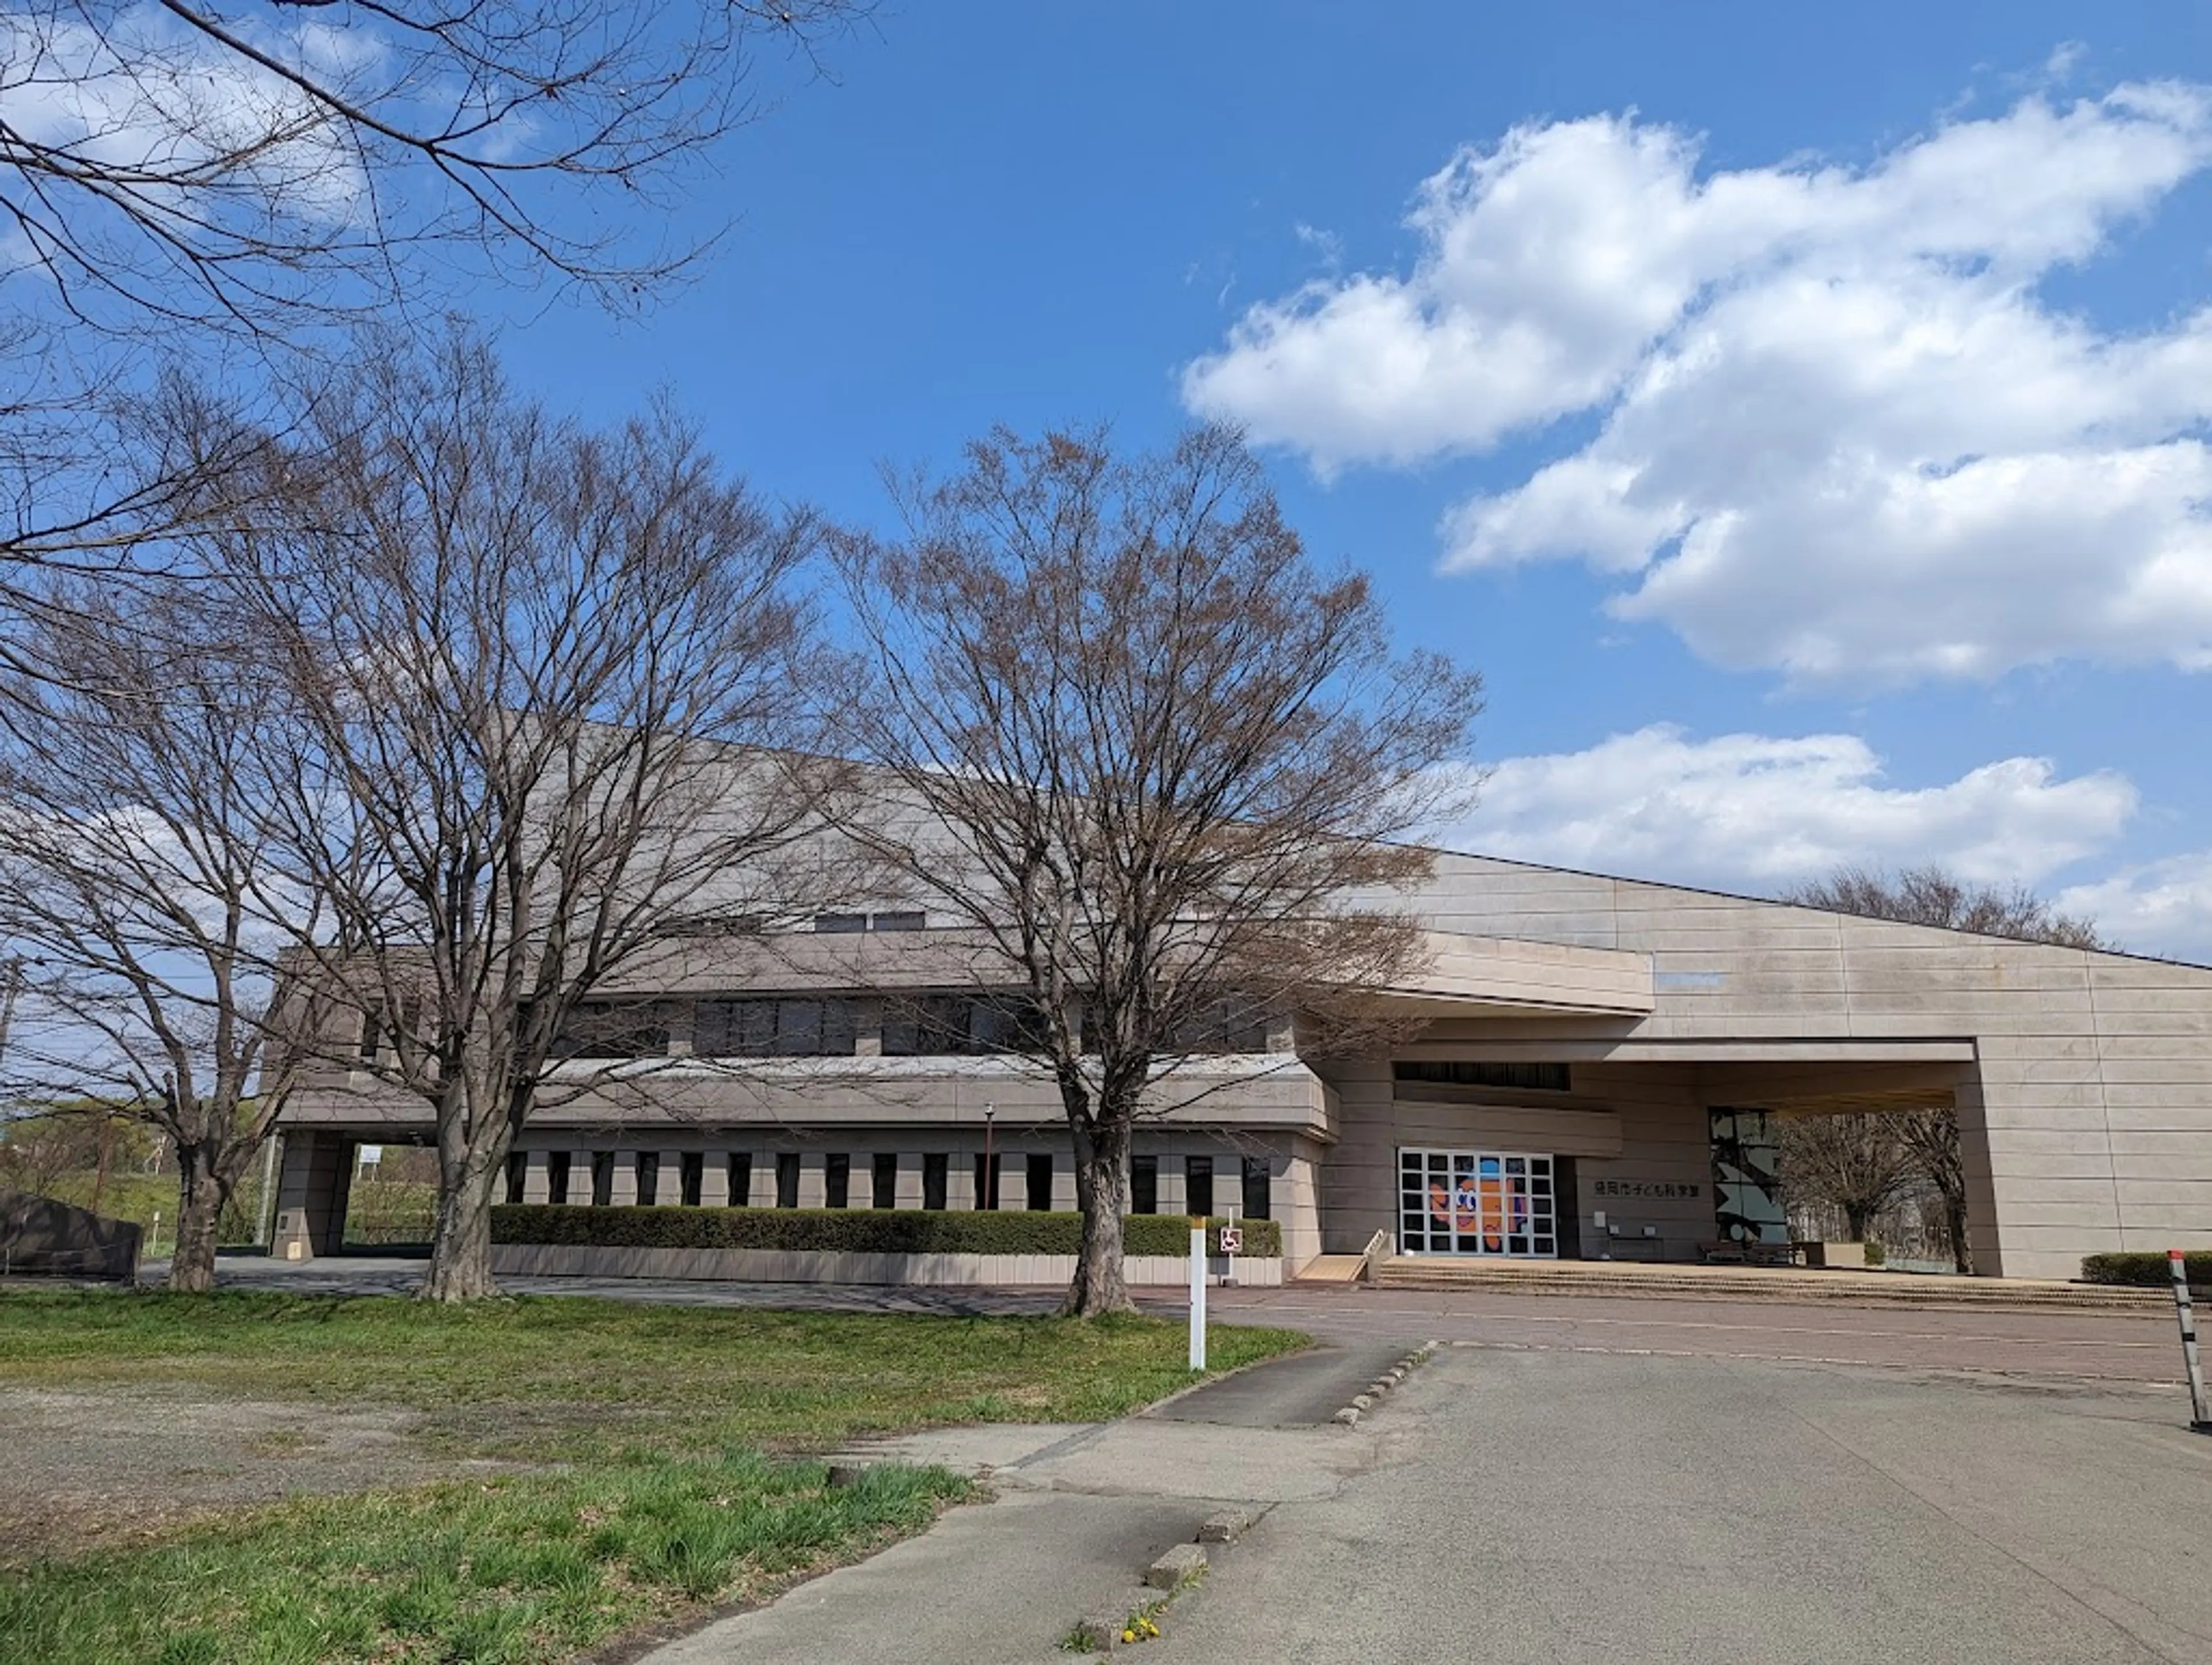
x,y
524,657
1928,895
1157,757
132,852
1854,1162
183,177
1932,1137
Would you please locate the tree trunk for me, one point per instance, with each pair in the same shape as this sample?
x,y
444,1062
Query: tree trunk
x,y
461,1247
1102,1192
1962,1245
1855,1222
202,1191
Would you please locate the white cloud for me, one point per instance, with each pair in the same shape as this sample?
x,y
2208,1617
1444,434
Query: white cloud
x,y
1842,431
1755,812
2162,907
207,129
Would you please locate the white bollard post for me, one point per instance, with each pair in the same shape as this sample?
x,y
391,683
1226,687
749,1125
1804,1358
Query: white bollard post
x,y
1197,1293
2200,1412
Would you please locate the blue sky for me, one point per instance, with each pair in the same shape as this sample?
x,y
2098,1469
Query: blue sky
x,y
1811,400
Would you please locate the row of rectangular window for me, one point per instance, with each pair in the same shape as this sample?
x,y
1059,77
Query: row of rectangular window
x,y
1473,1073
929,1025
561,1185
934,1025
689,1180
1198,1186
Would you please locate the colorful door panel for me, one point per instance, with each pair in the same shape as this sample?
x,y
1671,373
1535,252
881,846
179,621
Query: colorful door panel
x,y
1477,1202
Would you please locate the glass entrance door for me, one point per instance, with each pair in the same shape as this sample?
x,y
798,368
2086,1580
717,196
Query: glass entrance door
x,y
1476,1202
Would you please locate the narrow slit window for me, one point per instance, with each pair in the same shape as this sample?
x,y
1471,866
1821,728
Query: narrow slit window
x,y
1144,1185
1258,1203
1198,1186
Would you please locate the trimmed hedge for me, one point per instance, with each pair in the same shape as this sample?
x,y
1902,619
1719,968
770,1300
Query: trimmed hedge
x,y
2148,1268
853,1230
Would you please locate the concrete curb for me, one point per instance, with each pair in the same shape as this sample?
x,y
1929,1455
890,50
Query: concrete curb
x,y
1392,1378
1179,1568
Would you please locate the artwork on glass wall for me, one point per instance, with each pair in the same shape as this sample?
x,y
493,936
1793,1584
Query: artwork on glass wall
x,y
1748,1179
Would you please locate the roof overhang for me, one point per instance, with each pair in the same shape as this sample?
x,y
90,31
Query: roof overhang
x,y
1468,976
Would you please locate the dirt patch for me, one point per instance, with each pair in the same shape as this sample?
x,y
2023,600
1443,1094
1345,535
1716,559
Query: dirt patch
x,y
88,1469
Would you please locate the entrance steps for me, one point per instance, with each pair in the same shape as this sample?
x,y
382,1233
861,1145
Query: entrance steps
x,y
1704,1283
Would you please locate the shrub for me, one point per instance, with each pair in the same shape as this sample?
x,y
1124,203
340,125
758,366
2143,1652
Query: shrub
x,y
1876,1254
2148,1268
852,1231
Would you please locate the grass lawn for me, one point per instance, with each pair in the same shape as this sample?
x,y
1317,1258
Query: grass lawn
x,y
667,1452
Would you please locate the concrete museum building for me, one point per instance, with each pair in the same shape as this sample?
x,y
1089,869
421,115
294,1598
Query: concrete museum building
x,y
1596,1071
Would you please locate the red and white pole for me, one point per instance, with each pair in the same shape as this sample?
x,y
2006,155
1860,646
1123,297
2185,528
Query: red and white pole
x,y
2200,1411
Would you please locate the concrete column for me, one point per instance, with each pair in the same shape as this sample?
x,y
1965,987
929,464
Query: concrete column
x,y
671,1179
1063,1182
534,1183
910,1179
580,1178
1296,1208
812,1191
625,1188
311,1195
1972,1109
714,1180
960,1180
1171,1185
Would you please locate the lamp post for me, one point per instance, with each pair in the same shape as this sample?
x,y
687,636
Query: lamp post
x,y
990,1185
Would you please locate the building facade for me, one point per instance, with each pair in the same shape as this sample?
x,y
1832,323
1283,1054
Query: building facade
x,y
1596,1068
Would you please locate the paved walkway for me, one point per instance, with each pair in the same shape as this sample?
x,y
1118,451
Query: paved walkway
x,y
1305,1390
2089,1346
1696,1281
1530,1507
1505,1508
1572,1479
